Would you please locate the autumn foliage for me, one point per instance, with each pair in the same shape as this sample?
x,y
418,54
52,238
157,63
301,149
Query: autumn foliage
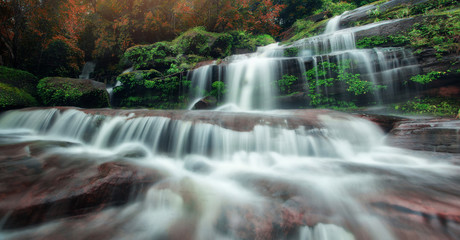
x,y
33,30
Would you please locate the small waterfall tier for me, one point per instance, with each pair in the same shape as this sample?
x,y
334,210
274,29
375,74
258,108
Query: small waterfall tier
x,y
328,68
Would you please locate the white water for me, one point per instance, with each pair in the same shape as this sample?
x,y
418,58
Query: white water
x,y
88,68
214,173
221,181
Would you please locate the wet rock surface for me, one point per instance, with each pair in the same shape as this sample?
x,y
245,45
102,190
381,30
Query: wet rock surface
x,y
37,188
437,135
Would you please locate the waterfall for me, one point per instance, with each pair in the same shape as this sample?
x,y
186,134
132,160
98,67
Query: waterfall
x,y
251,79
88,68
219,165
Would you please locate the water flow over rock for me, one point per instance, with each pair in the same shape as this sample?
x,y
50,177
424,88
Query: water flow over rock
x,y
310,174
342,73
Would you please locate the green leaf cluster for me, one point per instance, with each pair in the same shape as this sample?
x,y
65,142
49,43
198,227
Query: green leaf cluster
x,y
285,83
437,106
218,90
327,75
427,78
71,92
382,41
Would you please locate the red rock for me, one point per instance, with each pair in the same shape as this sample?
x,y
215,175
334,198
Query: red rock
x,y
46,188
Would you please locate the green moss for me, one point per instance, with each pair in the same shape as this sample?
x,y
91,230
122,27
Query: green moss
x,y
305,28
19,79
71,92
13,97
431,106
437,32
382,41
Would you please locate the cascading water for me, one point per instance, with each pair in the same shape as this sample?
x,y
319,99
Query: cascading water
x,y
321,171
252,78
306,174
87,70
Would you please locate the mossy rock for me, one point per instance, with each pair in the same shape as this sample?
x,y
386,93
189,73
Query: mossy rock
x,y
137,78
12,97
55,91
158,56
19,79
143,91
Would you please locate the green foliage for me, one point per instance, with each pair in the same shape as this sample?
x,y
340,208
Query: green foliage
x,y
13,97
286,82
222,46
195,41
291,52
218,89
61,59
305,28
329,74
439,33
71,92
158,56
426,7
336,8
431,106
137,78
18,78
382,41
427,78
297,9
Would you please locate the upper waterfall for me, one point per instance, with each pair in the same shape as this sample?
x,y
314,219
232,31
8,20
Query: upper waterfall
x,y
343,74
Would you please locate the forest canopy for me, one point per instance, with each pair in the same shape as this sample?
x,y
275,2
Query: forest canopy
x,y
56,37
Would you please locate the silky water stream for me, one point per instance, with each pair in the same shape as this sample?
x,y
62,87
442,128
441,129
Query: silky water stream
x,y
272,174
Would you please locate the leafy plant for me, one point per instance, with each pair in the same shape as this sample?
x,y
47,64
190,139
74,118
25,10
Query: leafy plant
x,y
286,82
427,78
218,89
327,75
433,106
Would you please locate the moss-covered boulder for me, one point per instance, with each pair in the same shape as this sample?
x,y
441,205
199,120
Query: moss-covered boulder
x,y
55,91
13,97
158,56
17,88
19,79
148,88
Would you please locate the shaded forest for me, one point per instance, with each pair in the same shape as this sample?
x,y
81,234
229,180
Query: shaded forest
x,y
55,38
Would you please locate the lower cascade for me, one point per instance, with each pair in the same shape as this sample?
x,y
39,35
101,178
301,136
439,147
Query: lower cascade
x,y
291,174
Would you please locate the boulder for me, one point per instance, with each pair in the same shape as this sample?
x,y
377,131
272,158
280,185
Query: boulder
x,y
205,103
55,91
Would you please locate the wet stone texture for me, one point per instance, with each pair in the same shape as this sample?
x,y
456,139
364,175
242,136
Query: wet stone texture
x,y
436,135
36,188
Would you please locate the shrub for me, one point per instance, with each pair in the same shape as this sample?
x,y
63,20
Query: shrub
x,y
19,79
72,92
286,82
433,106
13,97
